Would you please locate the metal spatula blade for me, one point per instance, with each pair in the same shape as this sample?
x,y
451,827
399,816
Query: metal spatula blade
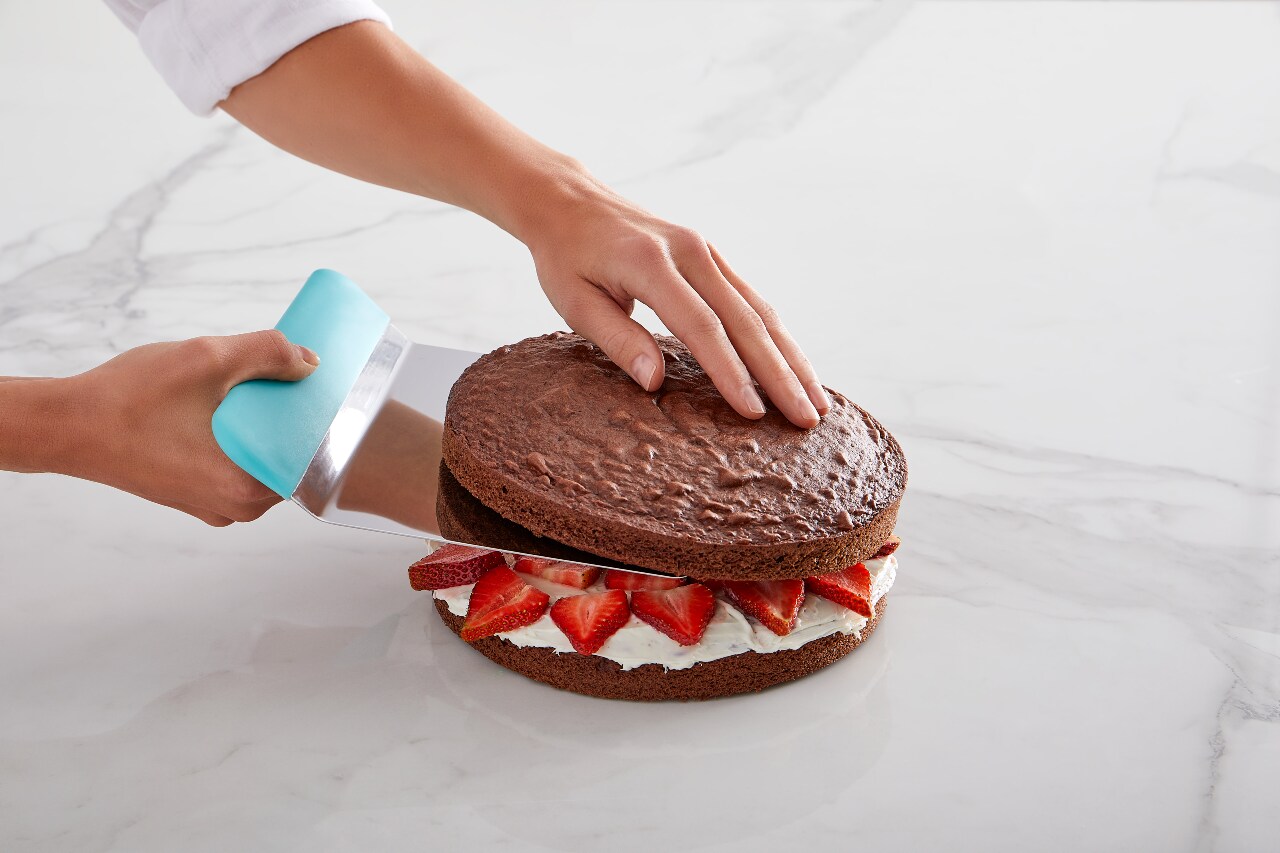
x,y
358,443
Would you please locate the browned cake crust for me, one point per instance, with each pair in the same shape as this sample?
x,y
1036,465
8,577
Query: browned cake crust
x,y
552,435
592,675
462,518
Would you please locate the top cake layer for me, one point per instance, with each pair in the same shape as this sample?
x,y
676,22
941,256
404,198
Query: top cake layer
x,y
549,433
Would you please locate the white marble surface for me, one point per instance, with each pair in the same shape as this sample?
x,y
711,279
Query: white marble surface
x,y
1038,240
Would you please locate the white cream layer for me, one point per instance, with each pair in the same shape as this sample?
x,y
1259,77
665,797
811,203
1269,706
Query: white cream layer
x,y
730,632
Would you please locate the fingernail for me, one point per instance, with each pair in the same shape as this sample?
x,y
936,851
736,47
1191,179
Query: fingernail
x,y
309,356
752,400
643,369
807,411
818,396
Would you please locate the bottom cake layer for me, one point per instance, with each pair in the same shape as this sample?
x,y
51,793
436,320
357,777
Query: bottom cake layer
x,y
592,675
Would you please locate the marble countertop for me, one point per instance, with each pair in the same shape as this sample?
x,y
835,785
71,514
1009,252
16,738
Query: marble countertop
x,y
1037,240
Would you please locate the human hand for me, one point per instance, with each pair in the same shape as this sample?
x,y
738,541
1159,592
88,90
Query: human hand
x,y
597,254
141,422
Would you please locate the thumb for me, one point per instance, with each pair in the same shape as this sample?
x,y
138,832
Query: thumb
x,y
266,355
596,316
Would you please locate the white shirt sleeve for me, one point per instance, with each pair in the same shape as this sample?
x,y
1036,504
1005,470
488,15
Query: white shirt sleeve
x,y
205,48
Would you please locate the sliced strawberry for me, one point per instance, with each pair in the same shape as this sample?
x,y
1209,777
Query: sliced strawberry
x,y
890,545
452,565
849,588
775,603
501,601
558,571
619,579
681,613
590,619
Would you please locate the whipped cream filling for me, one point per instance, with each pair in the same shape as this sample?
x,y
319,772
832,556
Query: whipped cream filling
x,y
730,632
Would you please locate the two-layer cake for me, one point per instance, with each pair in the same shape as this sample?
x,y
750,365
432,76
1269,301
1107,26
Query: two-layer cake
x,y
765,550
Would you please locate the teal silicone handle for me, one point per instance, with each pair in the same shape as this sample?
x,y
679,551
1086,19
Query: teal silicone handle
x,y
273,429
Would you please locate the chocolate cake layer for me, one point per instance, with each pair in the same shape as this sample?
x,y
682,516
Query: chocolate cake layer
x,y
462,518
592,675
550,434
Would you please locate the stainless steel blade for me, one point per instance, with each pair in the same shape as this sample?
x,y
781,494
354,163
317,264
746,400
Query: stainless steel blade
x,y
379,465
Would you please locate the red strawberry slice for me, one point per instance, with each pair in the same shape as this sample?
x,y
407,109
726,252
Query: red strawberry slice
x,y
681,613
775,603
590,619
849,588
501,601
558,571
890,545
617,579
452,565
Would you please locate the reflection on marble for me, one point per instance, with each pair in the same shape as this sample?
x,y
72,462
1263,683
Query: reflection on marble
x,y
1048,232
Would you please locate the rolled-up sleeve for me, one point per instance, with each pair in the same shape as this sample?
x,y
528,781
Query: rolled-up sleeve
x,y
205,48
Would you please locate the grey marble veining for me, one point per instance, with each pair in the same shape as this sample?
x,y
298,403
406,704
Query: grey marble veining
x,y
1038,240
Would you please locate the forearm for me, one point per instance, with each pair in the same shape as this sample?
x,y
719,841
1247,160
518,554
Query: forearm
x,y
360,101
35,419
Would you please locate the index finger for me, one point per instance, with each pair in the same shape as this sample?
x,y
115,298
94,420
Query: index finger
x,y
693,321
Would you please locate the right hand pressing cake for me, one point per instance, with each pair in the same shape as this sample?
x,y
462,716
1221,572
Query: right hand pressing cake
x,y
778,540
